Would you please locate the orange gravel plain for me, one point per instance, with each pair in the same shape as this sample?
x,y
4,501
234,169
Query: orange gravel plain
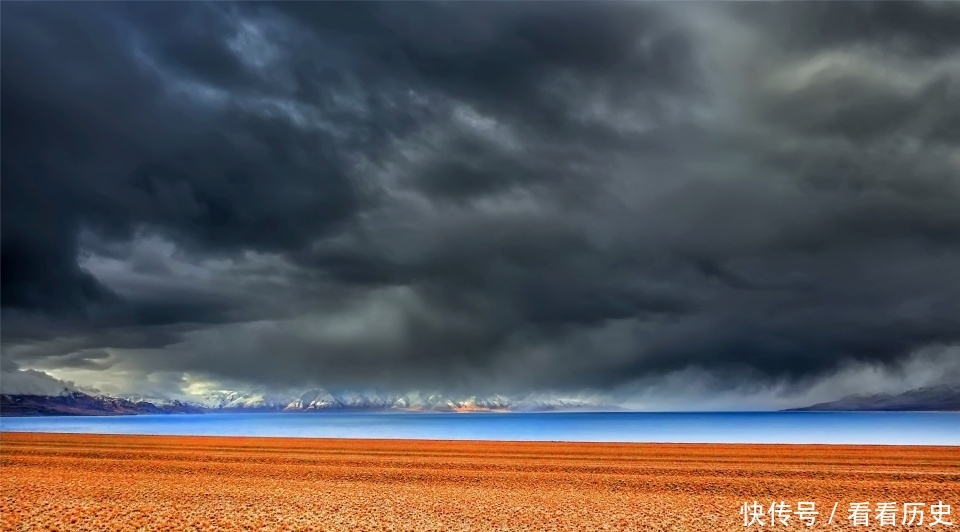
x,y
92,482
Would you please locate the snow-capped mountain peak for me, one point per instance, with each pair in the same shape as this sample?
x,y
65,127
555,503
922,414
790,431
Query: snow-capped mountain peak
x,y
227,399
312,400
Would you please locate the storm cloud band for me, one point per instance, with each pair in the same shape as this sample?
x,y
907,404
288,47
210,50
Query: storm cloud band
x,y
495,196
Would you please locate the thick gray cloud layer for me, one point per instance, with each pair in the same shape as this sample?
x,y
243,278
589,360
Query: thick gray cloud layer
x,y
497,196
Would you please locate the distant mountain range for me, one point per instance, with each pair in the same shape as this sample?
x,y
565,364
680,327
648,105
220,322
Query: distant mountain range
x,y
71,401
320,399
944,397
74,402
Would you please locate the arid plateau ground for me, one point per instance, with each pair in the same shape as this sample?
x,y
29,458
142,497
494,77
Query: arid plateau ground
x,y
138,483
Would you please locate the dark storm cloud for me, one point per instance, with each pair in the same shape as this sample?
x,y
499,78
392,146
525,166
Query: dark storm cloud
x,y
928,29
98,142
515,196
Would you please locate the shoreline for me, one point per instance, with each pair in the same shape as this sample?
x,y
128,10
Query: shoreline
x,y
398,440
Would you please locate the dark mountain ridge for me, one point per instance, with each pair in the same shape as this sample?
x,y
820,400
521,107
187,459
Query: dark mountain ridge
x,y
944,397
82,404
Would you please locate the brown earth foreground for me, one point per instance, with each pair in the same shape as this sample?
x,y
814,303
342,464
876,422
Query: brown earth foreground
x,y
91,482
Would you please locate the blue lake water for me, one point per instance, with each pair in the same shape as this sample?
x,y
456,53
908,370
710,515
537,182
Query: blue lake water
x,y
903,428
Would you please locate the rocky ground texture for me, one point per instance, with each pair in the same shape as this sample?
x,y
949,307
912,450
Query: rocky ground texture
x,y
160,483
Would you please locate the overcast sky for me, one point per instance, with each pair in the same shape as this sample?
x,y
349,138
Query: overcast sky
x,y
656,202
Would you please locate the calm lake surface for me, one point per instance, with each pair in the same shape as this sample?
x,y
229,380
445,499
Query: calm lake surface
x,y
903,428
